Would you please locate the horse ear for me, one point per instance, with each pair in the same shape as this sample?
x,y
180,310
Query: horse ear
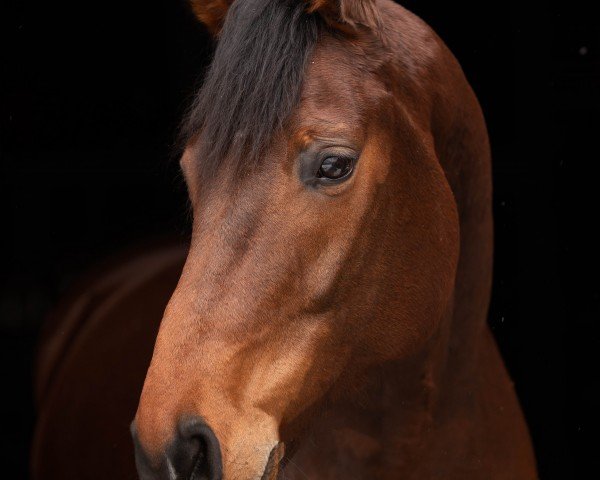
x,y
211,13
347,14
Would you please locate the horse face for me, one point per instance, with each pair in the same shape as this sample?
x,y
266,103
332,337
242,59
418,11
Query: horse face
x,y
333,255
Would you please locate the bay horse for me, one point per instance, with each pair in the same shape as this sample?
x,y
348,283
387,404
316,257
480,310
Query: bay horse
x,y
329,321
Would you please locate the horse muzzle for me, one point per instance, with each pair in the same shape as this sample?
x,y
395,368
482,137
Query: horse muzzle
x,y
194,454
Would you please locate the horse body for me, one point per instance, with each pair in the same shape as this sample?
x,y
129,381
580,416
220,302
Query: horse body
x,y
342,321
91,364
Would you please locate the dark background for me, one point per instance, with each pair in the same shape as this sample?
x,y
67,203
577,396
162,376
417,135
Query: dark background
x,y
91,94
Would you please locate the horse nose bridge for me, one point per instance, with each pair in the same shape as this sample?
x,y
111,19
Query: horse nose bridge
x,y
228,230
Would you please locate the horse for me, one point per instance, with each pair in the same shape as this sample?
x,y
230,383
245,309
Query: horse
x,y
329,319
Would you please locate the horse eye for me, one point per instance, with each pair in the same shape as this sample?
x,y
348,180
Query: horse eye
x,y
335,168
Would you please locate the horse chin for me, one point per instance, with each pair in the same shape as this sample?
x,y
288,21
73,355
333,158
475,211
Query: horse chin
x,y
253,459
274,463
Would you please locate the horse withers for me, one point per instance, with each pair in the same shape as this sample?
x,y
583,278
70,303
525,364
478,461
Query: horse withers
x,y
330,319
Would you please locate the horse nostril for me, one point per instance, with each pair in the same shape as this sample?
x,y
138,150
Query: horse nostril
x,y
194,454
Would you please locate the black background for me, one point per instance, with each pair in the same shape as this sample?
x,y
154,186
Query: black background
x,y
91,94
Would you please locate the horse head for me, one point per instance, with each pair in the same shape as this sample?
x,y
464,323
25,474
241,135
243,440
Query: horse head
x,y
325,157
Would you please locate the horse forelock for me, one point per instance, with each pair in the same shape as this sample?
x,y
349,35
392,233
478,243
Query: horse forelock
x,y
253,82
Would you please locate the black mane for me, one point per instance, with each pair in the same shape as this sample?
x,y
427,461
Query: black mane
x,y
253,81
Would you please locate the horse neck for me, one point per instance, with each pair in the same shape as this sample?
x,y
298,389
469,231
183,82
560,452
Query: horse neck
x,y
462,146
461,143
